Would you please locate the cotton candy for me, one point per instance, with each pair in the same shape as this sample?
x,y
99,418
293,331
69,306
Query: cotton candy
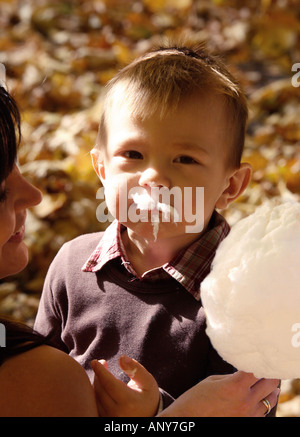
x,y
252,295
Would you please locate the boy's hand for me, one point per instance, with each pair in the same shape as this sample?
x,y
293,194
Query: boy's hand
x,y
139,398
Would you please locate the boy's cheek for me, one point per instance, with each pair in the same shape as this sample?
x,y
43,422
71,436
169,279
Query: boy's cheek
x,y
116,192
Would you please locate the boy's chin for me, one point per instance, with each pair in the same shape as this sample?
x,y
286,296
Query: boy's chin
x,y
154,232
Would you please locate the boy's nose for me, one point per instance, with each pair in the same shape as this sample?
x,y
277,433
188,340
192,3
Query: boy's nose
x,y
152,177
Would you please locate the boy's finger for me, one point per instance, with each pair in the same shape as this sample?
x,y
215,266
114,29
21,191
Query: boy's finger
x,y
105,403
137,373
104,363
106,381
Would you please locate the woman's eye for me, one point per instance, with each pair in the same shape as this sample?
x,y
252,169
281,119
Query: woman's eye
x,y
3,195
133,154
186,160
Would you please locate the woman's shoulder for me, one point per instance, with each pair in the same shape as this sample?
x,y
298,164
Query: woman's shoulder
x,y
45,381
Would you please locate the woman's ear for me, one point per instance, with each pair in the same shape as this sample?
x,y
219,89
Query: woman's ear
x,y
238,182
98,163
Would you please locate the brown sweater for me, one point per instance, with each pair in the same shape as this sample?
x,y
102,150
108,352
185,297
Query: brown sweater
x,y
105,314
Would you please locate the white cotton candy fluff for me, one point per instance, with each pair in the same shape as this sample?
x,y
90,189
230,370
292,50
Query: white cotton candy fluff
x,y
252,295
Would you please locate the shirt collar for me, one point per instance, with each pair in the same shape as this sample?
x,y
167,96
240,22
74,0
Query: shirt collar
x,y
109,248
189,267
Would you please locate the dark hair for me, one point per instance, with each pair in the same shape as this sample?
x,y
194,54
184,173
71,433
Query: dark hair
x,y
10,132
19,338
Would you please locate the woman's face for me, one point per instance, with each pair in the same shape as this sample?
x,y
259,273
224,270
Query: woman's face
x,y
16,195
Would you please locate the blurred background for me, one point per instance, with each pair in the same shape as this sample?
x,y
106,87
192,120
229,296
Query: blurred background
x,y
58,56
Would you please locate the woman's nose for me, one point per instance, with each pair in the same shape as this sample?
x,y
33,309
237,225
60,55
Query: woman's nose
x,y
153,177
29,195
36,195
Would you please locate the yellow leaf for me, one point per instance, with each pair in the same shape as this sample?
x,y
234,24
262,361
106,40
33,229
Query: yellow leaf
x,y
159,5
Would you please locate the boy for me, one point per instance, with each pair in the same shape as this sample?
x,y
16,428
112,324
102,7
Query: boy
x,y
174,118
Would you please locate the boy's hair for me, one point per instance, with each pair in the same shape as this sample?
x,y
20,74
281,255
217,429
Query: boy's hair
x,y
156,82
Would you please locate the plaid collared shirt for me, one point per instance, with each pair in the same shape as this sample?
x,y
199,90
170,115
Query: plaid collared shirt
x,y
189,267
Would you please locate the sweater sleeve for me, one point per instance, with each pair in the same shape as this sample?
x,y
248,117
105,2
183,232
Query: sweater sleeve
x,y
55,307
165,400
49,316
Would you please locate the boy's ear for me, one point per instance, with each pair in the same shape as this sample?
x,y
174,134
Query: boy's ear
x,y
238,182
98,163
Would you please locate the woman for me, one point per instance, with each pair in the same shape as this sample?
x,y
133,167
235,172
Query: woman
x,y
35,378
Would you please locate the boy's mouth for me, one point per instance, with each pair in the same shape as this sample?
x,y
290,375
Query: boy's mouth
x,y
160,212
145,202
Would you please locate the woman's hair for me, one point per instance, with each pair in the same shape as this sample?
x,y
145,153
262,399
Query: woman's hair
x,y
18,336
158,81
10,133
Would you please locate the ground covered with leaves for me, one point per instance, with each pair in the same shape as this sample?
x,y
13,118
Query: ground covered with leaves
x,y
58,56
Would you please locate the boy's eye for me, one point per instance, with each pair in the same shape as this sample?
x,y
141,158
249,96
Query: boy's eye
x,y
186,160
132,154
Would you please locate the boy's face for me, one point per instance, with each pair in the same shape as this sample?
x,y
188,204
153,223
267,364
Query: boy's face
x,y
187,148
